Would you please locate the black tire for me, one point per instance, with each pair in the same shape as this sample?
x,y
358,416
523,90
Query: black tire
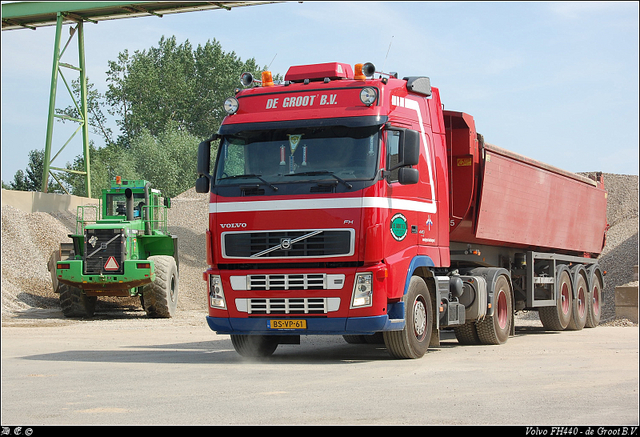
x,y
413,340
75,303
254,346
579,310
161,296
594,308
467,334
354,339
495,329
556,318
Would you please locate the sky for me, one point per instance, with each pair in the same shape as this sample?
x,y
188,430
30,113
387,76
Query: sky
x,y
554,81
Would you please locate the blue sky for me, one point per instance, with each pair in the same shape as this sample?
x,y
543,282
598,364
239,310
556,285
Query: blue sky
x,y
555,81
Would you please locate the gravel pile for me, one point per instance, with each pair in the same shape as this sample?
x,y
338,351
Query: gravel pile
x,y
28,239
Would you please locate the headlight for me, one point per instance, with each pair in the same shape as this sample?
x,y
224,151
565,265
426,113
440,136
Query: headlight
x,y
231,105
368,96
362,290
216,294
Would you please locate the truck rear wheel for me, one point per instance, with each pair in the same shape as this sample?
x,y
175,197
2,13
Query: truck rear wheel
x,y
467,334
75,303
556,318
595,302
161,296
495,329
254,345
580,305
413,340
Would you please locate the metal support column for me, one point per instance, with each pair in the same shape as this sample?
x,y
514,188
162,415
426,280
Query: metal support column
x,y
81,108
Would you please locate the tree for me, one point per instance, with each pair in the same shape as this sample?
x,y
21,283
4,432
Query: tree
x,y
173,82
32,180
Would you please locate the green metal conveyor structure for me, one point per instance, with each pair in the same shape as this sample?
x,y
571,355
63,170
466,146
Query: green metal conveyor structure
x,y
31,15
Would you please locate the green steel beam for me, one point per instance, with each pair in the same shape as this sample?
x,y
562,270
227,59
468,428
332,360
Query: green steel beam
x,y
82,107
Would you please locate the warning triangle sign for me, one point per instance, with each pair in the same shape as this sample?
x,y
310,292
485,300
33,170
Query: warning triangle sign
x,y
111,264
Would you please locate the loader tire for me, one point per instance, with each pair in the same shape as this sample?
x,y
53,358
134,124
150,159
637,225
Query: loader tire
x,y
75,303
161,296
254,346
413,341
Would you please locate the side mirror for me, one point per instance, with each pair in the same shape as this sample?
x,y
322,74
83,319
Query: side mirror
x,y
408,175
202,184
410,148
204,157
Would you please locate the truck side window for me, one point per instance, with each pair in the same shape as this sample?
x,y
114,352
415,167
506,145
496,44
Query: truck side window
x,y
393,141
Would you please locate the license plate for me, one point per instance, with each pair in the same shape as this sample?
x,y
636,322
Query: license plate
x,y
287,324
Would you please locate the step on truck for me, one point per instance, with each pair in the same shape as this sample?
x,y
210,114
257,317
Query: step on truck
x,y
346,201
121,247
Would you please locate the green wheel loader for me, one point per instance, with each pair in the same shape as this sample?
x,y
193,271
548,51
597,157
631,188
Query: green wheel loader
x,y
120,248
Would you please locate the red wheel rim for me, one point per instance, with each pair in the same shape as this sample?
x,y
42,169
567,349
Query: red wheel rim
x,y
596,300
565,298
502,310
582,302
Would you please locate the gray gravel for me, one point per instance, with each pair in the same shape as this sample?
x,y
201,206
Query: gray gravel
x,y
29,238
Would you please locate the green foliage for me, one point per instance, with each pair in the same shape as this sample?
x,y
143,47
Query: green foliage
x,y
32,180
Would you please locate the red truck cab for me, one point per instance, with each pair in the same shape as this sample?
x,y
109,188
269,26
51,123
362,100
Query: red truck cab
x,y
330,212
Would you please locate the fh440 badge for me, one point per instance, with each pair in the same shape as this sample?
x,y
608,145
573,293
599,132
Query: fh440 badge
x,y
399,227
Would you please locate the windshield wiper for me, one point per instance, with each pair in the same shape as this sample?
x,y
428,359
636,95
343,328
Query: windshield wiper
x,y
321,172
251,175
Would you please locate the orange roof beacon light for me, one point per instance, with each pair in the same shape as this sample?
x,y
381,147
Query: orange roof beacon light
x,y
267,79
358,72
118,180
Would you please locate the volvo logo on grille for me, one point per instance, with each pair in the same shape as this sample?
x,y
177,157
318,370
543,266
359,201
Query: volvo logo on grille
x,y
285,243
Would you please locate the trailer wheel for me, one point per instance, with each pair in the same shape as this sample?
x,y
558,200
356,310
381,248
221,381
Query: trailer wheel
x,y
254,345
579,310
161,296
413,340
556,318
595,302
495,329
75,303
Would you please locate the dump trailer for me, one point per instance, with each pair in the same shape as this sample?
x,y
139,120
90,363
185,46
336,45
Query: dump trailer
x,y
347,201
121,247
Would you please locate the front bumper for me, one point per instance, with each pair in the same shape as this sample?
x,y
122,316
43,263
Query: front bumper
x,y
133,276
315,326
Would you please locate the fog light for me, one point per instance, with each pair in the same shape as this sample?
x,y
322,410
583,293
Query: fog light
x,y
216,294
368,96
362,290
231,105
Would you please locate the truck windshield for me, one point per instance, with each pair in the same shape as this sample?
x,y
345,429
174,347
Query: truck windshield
x,y
294,155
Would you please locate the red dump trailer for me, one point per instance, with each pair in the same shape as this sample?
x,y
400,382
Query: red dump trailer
x,y
342,203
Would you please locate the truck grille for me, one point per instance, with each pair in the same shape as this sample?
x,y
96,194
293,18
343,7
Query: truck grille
x,y
288,244
286,282
99,246
317,305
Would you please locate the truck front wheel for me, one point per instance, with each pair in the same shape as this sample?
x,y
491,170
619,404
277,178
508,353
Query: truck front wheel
x,y
254,345
413,340
161,296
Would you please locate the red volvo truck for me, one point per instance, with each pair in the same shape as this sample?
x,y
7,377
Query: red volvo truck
x,y
346,201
